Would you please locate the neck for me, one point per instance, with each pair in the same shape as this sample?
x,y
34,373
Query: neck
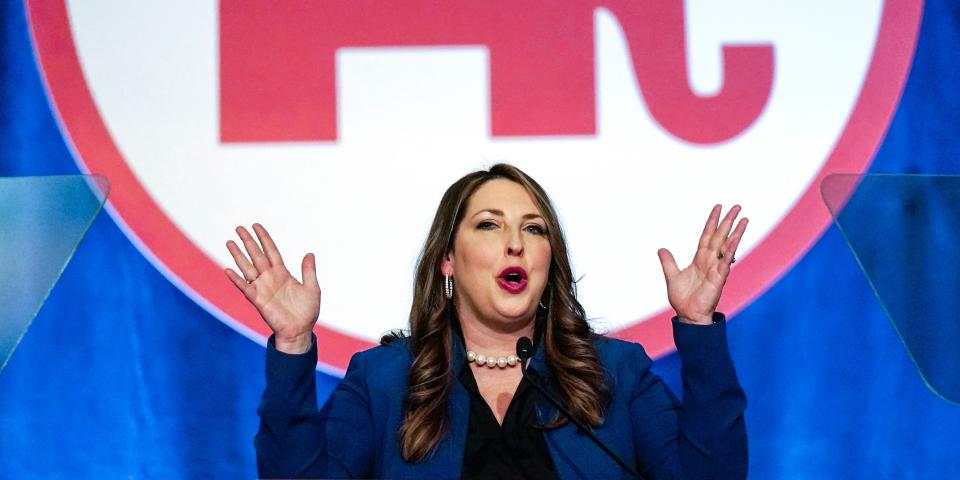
x,y
491,338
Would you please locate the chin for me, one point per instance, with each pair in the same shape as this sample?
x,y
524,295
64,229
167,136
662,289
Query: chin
x,y
515,313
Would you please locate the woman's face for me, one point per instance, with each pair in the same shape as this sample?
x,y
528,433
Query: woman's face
x,y
501,256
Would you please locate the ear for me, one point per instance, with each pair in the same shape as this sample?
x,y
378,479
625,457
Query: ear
x,y
446,266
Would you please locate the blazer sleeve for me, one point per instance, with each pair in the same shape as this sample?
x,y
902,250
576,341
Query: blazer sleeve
x,y
704,436
297,440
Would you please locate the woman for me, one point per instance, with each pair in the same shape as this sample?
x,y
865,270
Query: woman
x,y
448,401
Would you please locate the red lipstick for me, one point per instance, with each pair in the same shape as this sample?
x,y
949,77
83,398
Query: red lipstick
x,y
513,279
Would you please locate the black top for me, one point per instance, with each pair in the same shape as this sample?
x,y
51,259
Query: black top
x,y
516,449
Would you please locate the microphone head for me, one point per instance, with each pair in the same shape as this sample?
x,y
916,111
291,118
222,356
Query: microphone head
x,y
524,348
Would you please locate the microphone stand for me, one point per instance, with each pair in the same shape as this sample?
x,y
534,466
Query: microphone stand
x,y
525,351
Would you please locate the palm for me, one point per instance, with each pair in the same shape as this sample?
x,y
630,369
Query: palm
x,y
694,292
288,306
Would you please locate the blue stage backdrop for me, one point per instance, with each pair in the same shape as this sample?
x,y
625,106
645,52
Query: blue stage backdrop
x,y
124,375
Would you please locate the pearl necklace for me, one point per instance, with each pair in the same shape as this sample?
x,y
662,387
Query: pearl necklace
x,y
490,361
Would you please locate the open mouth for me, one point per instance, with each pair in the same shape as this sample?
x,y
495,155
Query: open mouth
x,y
512,279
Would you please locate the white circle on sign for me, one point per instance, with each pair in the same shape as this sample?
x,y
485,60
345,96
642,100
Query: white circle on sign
x,y
413,119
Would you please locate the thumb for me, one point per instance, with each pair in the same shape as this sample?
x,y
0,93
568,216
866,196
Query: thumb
x,y
308,271
668,263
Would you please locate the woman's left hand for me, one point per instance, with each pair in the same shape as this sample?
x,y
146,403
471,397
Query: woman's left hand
x,y
695,291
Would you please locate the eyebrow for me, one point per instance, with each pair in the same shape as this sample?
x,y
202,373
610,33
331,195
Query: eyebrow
x,y
500,214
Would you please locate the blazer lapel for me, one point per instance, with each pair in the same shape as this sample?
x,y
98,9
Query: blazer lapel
x,y
574,454
447,460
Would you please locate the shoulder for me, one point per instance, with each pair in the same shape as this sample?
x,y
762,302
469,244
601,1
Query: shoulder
x,y
381,365
626,362
614,351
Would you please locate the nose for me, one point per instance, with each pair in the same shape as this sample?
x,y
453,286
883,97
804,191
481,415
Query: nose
x,y
514,244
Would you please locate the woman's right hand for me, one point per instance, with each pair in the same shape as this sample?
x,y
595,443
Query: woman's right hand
x,y
289,307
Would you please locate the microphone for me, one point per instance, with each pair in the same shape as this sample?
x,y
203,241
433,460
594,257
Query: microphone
x,y
525,351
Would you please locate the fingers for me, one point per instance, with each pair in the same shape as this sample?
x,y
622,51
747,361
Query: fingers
x,y
249,271
668,263
260,261
308,271
249,290
710,227
723,230
730,248
269,248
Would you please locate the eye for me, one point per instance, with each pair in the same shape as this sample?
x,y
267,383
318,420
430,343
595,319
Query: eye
x,y
536,229
486,225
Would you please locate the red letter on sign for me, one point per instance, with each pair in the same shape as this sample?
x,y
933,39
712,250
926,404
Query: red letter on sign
x,y
655,33
278,79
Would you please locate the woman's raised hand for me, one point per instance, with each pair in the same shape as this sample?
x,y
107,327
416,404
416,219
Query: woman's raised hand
x,y
289,307
695,291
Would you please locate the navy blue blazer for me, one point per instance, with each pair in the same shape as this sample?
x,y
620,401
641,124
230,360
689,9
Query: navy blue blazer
x,y
355,433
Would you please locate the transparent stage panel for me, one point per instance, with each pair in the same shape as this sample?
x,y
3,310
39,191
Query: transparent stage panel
x,y
42,220
904,231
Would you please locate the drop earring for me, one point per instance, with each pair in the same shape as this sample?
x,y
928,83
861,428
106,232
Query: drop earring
x,y
549,297
448,286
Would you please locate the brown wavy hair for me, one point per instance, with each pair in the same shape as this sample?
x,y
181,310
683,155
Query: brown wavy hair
x,y
567,337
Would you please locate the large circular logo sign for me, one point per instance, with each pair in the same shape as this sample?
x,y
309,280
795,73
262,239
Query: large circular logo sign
x,y
339,124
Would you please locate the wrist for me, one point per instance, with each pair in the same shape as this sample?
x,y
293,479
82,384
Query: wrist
x,y
294,345
696,319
